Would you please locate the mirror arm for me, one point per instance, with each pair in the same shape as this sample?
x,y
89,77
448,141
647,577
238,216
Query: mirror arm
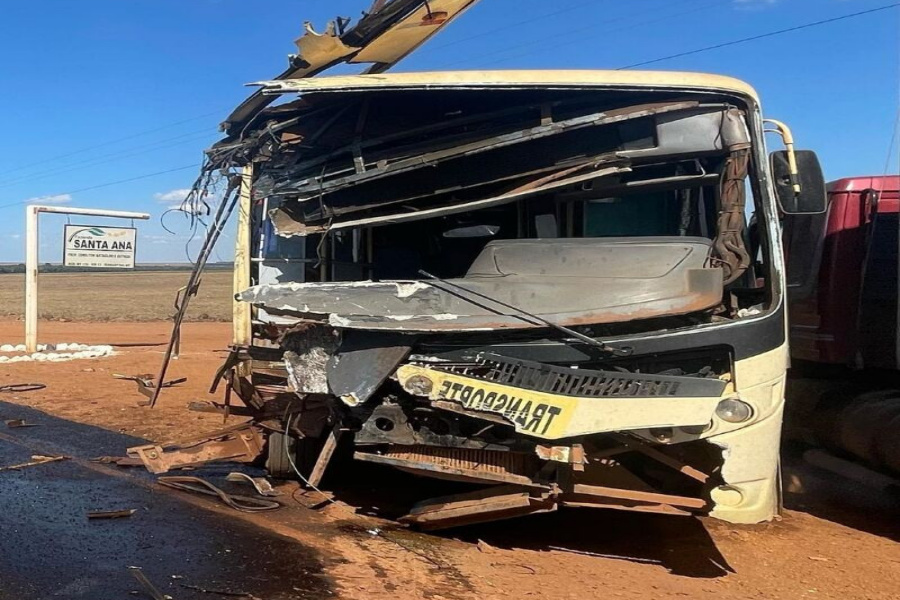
x,y
788,137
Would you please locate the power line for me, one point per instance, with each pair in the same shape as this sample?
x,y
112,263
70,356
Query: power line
x,y
763,36
108,143
571,33
192,137
108,184
890,154
515,24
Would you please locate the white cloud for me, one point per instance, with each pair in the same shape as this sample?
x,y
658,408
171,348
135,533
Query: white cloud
x,y
178,195
195,210
54,199
163,239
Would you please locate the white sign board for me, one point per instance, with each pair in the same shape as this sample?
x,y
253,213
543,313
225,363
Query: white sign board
x,y
99,247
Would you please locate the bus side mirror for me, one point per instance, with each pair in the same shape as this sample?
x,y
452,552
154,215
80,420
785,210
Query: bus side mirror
x,y
800,190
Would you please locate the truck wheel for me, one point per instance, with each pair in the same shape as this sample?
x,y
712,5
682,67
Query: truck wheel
x,y
304,451
277,463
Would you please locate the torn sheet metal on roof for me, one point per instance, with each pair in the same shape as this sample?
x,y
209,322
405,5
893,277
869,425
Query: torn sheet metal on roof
x,y
567,281
383,36
410,33
319,49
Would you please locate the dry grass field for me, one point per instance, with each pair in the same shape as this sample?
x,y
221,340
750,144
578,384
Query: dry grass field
x,y
137,296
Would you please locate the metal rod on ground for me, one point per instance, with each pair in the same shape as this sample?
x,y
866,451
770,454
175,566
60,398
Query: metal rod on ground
x,y
36,460
221,217
571,332
151,589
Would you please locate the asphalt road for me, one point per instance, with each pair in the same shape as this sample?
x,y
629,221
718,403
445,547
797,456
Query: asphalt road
x,y
49,548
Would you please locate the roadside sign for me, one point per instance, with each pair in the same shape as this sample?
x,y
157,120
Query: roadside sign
x,y
99,247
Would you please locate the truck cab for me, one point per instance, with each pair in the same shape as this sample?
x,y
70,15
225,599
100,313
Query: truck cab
x,y
842,276
842,268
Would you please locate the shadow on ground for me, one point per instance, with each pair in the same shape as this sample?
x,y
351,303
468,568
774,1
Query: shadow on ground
x,y
50,549
831,497
680,544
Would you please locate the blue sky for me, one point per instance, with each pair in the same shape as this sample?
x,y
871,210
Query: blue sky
x,y
78,77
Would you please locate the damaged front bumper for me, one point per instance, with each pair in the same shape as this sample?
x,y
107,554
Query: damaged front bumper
x,y
541,436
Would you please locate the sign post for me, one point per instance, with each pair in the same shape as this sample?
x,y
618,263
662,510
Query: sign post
x,y
95,247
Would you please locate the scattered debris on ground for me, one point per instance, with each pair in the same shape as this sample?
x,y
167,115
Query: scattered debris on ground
x,y
36,460
119,461
260,484
241,443
235,501
20,388
151,589
146,384
111,514
661,558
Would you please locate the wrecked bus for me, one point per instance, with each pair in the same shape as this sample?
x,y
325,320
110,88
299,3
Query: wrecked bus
x,y
564,287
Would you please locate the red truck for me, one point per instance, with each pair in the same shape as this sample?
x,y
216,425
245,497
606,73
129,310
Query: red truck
x,y
842,270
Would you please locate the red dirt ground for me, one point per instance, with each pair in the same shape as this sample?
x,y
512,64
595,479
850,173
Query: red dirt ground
x,y
837,541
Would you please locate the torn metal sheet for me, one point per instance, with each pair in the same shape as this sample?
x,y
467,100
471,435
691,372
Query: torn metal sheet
x,y
566,281
318,49
241,443
307,357
410,33
492,504
393,29
363,362
638,496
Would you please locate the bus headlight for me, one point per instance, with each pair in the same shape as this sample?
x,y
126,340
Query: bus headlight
x,y
733,410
